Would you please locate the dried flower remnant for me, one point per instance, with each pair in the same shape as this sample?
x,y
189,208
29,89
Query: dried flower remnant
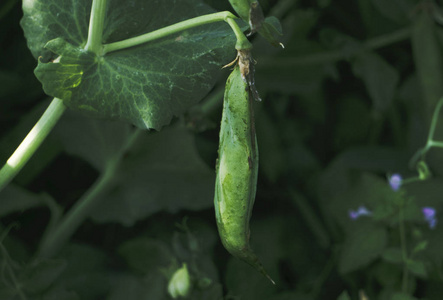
x,y
430,216
395,181
361,211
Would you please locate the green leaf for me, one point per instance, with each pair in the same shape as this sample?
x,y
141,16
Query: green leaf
x,y
96,141
164,172
145,255
423,245
362,246
58,294
380,78
270,30
41,275
85,272
402,296
393,255
146,85
344,296
17,199
417,268
60,78
428,60
256,285
127,286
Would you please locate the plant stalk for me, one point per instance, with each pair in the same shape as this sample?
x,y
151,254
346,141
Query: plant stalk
x,y
226,16
57,236
96,22
31,142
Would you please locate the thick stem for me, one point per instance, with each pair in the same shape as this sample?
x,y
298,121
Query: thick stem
x,y
57,236
175,28
32,141
96,21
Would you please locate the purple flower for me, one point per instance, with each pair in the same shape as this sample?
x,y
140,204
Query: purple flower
x,y
430,216
361,211
395,181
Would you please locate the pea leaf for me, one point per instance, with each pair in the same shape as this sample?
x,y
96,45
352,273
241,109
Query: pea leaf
x,y
146,85
380,78
163,172
362,247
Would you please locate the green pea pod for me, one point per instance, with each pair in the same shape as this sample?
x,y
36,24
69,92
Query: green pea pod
x,y
237,168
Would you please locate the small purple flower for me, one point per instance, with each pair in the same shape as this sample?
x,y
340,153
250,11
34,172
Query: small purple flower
x,y
430,216
361,211
395,181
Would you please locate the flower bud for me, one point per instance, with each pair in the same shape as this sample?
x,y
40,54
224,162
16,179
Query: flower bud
x,y
180,283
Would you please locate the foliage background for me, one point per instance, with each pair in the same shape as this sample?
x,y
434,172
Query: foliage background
x,y
348,101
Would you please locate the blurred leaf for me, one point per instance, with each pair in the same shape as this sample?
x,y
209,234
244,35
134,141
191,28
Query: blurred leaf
x,y
133,288
396,10
60,294
145,255
353,122
380,78
164,172
344,296
428,60
271,30
270,147
255,287
85,272
96,141
402,296
41,275
387,274
393,255
423,245
417,268
7,293
16,199
146,85
363,245
291,296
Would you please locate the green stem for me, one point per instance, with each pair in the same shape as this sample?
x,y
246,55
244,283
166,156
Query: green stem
x,y
242,42
31,142
434,120
421,153
57,236
403,251
178,27
96,21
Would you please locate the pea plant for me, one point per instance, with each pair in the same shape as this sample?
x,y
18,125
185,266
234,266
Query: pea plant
x,y
188,149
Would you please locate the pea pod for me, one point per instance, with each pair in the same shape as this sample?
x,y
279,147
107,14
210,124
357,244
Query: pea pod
x,y
237,168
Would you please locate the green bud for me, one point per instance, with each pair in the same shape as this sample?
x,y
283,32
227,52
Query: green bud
x,y
180,283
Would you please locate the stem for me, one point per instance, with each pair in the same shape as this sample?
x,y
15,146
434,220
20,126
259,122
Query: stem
x,y
32,141
57,236
434,120
178,27
242,42
96,21
403,251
